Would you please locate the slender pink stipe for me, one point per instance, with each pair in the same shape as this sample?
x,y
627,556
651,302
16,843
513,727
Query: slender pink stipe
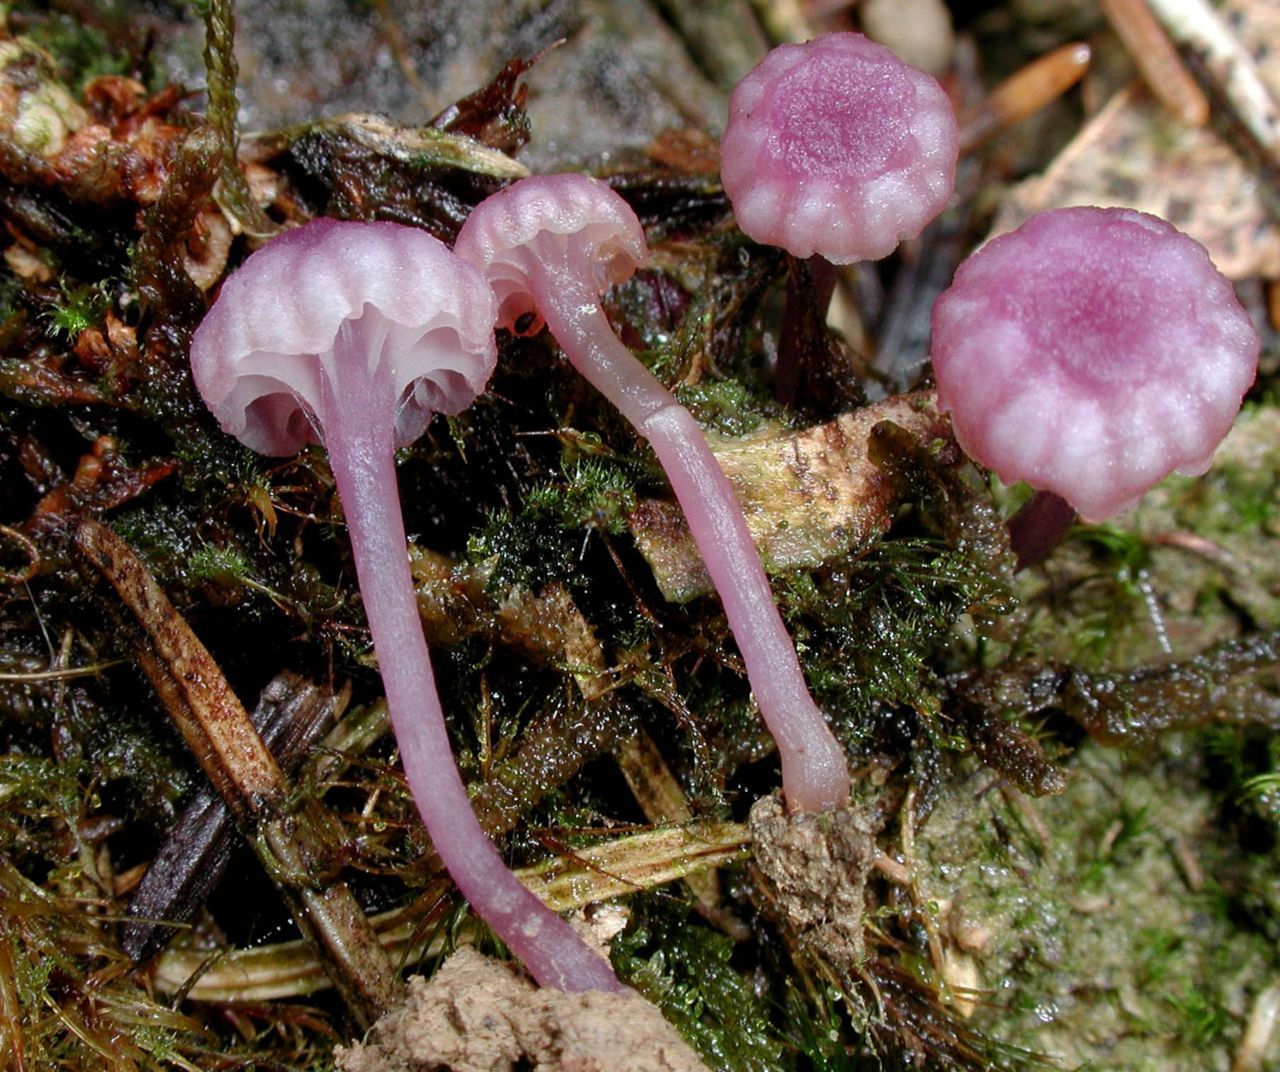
x,y
1090,353
837,148
550,245
353,334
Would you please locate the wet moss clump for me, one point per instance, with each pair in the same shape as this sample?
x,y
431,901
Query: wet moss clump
x,y
547,538
1108,924
683,966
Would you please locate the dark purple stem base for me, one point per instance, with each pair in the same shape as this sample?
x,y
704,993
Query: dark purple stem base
x,y
810,284
1039,527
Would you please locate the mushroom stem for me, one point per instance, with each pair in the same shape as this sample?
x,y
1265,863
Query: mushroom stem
x,y
810,283
355,393
815,776
1039,526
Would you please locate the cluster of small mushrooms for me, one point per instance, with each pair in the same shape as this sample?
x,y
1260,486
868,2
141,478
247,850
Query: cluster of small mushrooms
x,y
1089,353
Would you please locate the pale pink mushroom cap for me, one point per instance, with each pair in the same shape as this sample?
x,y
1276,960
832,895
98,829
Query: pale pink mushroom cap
x,y
836,147
1090,353
257,355
550,218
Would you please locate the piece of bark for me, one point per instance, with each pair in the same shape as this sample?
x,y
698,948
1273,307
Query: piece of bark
x,y
290,715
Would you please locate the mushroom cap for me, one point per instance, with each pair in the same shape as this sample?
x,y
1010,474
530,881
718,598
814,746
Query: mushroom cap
x,y
1092,352
259,355
548,219
836,147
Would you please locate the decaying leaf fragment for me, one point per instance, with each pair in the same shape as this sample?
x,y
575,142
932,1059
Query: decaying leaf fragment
x,y
374,136
808,496
116,149
37,112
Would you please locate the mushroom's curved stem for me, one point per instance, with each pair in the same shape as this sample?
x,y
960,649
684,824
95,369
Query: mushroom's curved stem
x,y
814,771
356,414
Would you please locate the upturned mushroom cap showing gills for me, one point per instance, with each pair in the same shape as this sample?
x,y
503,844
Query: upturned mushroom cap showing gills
x,y
836,147
423,311
548,219
1090,353
353,334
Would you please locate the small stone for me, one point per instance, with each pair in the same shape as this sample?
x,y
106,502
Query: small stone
x,y
918,31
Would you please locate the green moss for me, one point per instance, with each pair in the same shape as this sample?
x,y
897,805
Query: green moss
x,y
83,52
1107,953
869,632
219,565
219,462
726,407
545,539
40,798
596,495
816,1029
81,1008
1250,501
79,308
1241,494
164,533
684,967
526,551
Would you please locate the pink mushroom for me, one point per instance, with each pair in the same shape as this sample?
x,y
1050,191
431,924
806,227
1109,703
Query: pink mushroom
x,y
1092,352
836,151
353,335
549,246
837,148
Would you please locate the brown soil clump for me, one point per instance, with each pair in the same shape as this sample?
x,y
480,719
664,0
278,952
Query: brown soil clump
x,y
817,866
478,1015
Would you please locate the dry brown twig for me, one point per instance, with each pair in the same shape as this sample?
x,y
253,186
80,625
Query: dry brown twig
x,y
223,740
1158,60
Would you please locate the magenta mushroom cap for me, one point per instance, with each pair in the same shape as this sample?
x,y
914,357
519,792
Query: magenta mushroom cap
x,y
258,356
548,218
1090,353
836,147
